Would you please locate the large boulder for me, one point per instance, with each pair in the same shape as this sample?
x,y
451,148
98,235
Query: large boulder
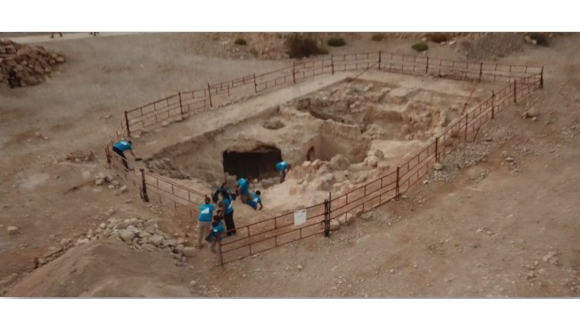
x,y
338,163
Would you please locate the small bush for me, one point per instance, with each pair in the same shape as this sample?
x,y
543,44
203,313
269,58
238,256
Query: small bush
x,y
378,37
437,37
336,42
323,50
541,38
298,46
240,42
420,46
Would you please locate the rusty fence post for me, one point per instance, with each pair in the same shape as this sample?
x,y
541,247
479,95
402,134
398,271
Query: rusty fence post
x,y
542,78
220,249
492,105
466,119
127,124
480,70
255,85
332,63
180,105
515,91
397,186
437,149
326,218
294,72
108,155
380,59
209,93
427,65
144,195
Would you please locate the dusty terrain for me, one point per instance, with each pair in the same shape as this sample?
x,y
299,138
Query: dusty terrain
x,y
483,226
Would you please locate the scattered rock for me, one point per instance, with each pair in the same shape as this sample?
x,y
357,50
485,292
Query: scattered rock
x,y
192,283
509,159
65,242
300,267
127,235
273,124
438,166
334,224
179,248
82,241
379,154
156,239
123,189
189,252
383,165
12,230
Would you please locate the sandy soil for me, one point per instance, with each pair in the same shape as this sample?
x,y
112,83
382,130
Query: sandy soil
x,y
500,233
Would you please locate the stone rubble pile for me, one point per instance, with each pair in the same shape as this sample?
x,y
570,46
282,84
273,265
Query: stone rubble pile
x,y
139,234
30,63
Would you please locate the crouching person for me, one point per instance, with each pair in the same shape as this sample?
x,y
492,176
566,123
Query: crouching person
x,y
255,200
217,230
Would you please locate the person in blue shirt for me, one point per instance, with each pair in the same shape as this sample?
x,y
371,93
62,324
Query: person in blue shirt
x,y
204,220
217,230
283,167
224,187
243,188
255,200
120,147
227,209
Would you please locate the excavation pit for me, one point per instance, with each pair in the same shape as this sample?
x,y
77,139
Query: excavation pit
x,y
336,138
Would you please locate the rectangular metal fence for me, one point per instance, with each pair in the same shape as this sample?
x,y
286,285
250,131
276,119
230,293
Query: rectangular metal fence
x,y
280,230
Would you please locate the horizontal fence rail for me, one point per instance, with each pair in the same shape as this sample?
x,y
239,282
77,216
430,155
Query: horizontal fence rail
x,y
280,230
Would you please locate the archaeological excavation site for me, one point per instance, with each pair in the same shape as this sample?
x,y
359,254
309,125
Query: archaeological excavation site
x,y
447,172
358,130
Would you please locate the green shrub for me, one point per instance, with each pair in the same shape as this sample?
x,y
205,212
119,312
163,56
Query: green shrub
x,y
336,42
378,37
437,37
541,38
420,46
240,42
298,46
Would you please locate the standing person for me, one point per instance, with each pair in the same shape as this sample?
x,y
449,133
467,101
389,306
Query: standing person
x,y
255,200
52,34
204,221
216,232
13,79
120,147
283,167
228,211
244,189
218,192
94,34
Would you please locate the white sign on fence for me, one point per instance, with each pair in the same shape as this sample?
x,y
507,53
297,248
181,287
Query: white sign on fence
x,y
299,217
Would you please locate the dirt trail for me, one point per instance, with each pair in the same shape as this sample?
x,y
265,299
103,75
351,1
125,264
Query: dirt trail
x,y
231,115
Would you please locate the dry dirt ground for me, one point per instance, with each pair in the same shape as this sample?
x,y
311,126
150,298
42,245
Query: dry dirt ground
x,y
481,227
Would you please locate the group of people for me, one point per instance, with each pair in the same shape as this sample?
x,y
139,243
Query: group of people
x,y
94,34
210,226
225,208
